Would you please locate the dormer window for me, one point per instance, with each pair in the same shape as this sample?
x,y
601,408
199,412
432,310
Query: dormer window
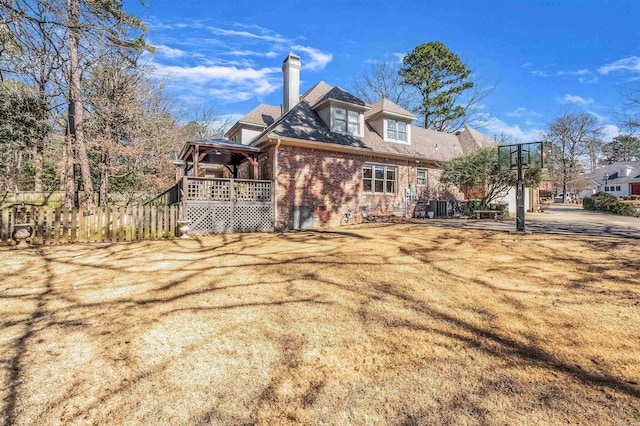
x,y
396,130
346,121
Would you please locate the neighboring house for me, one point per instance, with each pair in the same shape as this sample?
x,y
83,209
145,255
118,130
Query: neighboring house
x,y
332,157
620,179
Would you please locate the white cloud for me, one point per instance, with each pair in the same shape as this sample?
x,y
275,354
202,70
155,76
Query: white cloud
x,y
523,112
632,63
229,83
318,61
598,117
231,63
202,74
170,51
578,72
610,131
399,56
588,80
231,95
269,54
539,73
573,99
497,127
246,34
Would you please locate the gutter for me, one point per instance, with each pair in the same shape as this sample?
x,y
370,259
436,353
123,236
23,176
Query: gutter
x,y
327,146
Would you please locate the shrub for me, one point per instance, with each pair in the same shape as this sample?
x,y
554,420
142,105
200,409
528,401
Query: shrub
x,y
609,203
502,208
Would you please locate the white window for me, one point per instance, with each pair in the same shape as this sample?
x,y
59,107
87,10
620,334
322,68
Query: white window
x,y
379,179
396,130
346,121
422,177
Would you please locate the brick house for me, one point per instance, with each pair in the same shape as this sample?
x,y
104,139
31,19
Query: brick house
x,y
331,157
331,154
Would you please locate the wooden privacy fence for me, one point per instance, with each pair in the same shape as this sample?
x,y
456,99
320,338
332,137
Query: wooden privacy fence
x,y
59,225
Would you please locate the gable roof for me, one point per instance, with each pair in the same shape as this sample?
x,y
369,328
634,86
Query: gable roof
x,y
302,123
613,172
471,139
340,95
263,116
385,105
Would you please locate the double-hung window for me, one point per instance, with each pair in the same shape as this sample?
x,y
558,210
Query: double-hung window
x,y
396,130
379,179
422,177
346,121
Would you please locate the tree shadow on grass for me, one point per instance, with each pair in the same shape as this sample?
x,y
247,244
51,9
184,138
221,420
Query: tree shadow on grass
x,y
292,267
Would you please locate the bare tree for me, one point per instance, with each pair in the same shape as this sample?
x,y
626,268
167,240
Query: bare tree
x,y
75,33
103,24
205,123
132,137
35,59
568,139
383,80
21,125
593,147
630,114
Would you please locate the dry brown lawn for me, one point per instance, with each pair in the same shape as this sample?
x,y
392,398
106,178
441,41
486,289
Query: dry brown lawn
x,y
372,324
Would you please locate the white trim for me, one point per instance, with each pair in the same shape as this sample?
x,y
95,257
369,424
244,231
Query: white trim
x,y
426,176
385,135
332,118
372,166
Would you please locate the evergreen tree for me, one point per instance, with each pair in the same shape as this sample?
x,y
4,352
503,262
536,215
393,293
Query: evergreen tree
x,y
622,148
440,78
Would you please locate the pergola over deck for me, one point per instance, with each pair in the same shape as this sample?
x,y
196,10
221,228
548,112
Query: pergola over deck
x,y
214,204
216,151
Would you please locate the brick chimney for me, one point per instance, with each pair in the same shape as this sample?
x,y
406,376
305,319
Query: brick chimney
x,y
291,72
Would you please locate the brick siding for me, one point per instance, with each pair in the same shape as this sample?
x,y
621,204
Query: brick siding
x,y
329,184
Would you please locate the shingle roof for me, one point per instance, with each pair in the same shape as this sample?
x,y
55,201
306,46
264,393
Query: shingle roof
x,y
385,105
613,172
262,115
471,139
302,123
339,94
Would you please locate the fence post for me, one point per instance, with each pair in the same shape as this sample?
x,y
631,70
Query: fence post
x,y
56,226
74,222
4,226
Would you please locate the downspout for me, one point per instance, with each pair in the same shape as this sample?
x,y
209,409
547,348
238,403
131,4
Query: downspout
x,y
275,184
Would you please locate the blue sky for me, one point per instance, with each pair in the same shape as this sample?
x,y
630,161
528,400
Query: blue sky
x,y
547,57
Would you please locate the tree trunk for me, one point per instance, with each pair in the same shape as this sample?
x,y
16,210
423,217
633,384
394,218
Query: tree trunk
x,y
69,185
38,164
76,127
104,181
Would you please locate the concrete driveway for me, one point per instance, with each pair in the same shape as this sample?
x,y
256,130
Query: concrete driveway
x,y
559,219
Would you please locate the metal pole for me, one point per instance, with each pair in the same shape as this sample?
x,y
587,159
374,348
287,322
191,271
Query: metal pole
x,y
520,195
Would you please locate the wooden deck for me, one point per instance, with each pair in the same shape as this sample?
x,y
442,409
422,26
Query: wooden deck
x,y
223,205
